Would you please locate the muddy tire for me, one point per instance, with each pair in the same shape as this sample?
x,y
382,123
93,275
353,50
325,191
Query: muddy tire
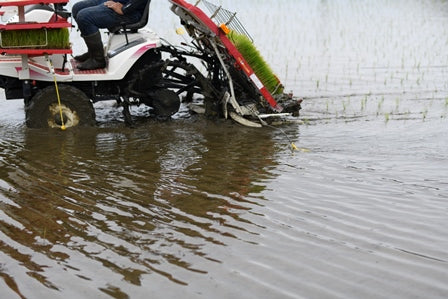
x,y
43,111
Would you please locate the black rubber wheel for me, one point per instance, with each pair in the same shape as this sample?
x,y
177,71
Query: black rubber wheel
x,y
43,110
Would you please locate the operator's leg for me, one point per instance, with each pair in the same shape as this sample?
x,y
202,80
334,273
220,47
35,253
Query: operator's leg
x,y
77,7
89,21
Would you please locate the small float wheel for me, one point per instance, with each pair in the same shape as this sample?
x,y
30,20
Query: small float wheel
x,y
165,103
43,111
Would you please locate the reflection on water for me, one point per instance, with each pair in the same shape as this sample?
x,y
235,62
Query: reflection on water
x,y
136,201
196,208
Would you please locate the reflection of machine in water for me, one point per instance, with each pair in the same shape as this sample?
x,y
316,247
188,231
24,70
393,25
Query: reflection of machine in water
x,y
228,167
105,202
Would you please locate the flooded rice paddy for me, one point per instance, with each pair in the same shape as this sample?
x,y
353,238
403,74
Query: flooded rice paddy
x,y
200,209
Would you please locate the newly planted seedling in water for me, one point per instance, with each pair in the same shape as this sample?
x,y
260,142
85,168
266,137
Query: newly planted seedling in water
x,y
397,104
363,103
425,113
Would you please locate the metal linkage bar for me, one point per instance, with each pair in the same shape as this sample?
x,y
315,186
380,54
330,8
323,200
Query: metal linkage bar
x,y
224,16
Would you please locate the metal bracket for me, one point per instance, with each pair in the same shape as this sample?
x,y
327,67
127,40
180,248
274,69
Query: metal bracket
x,y
225,101
24,73
232,91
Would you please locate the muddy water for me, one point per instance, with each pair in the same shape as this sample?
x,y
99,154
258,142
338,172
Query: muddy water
x,y
204,209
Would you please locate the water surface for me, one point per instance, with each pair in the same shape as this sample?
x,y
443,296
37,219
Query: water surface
x,y
200,209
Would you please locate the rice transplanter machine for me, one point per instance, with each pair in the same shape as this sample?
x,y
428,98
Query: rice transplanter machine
x,y
218,73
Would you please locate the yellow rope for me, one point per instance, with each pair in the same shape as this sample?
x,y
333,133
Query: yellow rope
x,y
63,128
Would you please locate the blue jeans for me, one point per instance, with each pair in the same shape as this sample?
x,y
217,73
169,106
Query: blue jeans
x,y
91,15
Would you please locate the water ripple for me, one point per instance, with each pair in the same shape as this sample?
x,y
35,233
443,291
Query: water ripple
x,y
200,208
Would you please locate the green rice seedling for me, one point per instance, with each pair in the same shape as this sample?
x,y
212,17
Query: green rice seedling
x,y
397,104
380,105
363,103
36,38
408,113
257,62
